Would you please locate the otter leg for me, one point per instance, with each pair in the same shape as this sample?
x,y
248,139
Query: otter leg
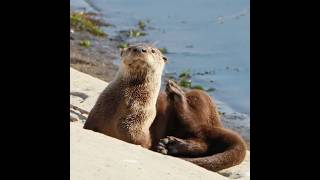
x,y
177,97
182,147
180,103
174,91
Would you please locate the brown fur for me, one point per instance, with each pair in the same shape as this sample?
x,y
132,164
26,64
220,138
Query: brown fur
x,y
127,107
186,125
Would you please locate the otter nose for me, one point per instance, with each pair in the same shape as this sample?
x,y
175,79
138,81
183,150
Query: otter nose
x,y
139,49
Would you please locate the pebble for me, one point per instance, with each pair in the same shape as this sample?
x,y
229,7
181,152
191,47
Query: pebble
x,y
73,117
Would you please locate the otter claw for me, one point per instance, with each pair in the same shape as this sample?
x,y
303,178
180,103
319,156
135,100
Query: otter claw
x,y
161,144
164,141
162,150
169,145
173,89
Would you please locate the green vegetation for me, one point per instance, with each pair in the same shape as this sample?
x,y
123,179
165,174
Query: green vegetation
x,y
211,89
163,50
84,22
185,74
186,83
85,43
142,24
135,33
202,88
184,80
197,87
123,45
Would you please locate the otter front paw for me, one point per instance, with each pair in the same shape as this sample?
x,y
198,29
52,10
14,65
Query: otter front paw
x,y
173,90
170,145
161,148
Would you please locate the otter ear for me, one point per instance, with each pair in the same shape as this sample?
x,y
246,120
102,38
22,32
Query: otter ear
x,y
165,59
122,50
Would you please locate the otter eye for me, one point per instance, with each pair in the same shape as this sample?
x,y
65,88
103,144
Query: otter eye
x,y
153,51
165,59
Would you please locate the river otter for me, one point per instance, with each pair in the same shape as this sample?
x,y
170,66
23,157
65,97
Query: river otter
x,y
127,107
187,125
191,123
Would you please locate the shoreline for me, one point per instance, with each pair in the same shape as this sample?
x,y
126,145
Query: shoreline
x,y
97,60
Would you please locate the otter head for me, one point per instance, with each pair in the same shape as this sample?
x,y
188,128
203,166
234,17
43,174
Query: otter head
x,y
142,59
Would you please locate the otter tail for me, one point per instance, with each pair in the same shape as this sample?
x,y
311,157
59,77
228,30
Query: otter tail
x,y
226,149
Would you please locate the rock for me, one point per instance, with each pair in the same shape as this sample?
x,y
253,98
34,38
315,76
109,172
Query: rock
x,y
73,117
77,116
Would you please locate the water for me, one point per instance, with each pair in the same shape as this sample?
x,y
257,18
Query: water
x,y
203,36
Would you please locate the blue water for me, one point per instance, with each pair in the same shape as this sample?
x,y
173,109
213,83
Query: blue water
x,y
203,36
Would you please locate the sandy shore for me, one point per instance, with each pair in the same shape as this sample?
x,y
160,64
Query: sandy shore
x,y
96,156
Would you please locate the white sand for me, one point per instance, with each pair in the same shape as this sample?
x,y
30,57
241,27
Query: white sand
x,y
95,156
86,84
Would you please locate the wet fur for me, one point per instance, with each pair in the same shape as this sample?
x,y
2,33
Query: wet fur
x,y
188,126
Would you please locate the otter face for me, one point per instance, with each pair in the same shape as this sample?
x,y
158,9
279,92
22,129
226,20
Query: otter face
x,y
143,57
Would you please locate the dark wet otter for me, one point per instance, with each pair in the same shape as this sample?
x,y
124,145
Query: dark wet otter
x,y
191,123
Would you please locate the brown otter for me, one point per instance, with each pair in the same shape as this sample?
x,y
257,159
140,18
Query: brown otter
x,y
127,107
191,123
185,125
